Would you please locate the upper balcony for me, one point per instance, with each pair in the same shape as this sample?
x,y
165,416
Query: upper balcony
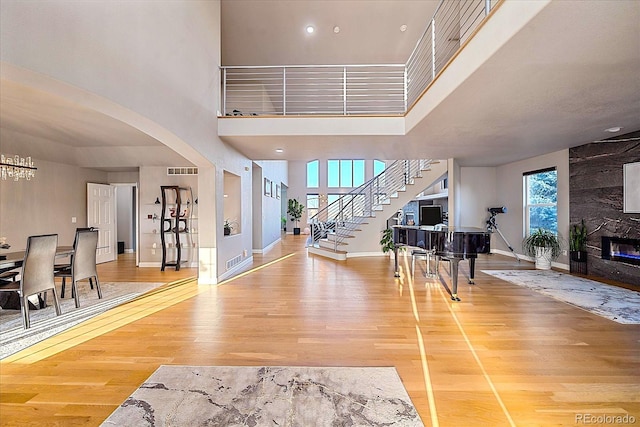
x,y
354,90
488,83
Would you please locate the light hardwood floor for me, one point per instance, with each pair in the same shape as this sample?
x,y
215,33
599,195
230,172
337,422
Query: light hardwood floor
x,y
503,356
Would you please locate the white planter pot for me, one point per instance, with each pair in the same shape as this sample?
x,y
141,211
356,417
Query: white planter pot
x,y
543,258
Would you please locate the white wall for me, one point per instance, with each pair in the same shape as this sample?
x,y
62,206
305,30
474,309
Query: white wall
x,y
124,214
46,204
151,178
158,63
270,214
509,193
477,192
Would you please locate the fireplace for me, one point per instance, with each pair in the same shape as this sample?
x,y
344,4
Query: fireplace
x,y
622,250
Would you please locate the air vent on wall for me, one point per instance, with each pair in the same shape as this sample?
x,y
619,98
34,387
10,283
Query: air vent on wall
x,y
182,171
234,261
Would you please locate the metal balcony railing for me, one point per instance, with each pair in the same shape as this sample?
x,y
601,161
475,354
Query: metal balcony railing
x,y
340,219
389,89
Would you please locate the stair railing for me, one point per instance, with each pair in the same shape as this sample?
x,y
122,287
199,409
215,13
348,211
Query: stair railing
x,y
341,218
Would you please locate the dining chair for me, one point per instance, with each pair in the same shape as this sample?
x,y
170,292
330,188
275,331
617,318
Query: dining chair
x,y
67,266
83,263
37,274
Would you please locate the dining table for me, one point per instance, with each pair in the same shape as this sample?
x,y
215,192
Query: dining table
x,y
13,260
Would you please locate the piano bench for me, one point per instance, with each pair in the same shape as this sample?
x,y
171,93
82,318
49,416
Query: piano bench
x,y
420,254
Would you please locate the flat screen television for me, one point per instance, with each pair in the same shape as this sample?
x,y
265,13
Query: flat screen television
x,y
430,215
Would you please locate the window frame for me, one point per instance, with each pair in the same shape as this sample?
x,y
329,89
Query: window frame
x,y
528,205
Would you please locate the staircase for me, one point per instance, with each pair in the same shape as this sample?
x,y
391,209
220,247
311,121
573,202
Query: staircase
x,y
352,225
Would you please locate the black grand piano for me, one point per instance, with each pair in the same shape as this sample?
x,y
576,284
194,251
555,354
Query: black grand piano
x,y
450,243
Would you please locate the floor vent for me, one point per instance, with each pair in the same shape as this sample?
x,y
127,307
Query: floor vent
x,y
182,171
234,261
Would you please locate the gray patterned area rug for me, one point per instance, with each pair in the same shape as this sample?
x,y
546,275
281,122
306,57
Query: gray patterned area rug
x,y
268,396
612,302
45,323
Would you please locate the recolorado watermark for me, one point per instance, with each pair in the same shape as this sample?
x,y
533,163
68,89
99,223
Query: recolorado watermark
x,y
604,419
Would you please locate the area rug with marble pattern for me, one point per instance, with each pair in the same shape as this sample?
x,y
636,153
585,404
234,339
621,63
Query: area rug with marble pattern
x,y
612,302
45,323
268,396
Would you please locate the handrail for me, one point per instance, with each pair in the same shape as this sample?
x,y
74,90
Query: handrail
x,y
357,89
341,218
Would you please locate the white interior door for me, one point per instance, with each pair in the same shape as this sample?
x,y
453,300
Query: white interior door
x,y
101,209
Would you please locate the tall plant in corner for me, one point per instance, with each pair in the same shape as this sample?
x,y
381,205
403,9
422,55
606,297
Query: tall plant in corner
x,y
578,242
294,209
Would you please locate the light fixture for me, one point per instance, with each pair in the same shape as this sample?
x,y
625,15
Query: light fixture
x,y
310,29
16,168
279,150
336,29
614,129
403,28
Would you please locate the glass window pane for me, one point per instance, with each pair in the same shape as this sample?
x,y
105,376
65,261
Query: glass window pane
x,y
313,174
545,217
312,201
378,167
541,204
358,173
346,173
333,173
543,187
312,205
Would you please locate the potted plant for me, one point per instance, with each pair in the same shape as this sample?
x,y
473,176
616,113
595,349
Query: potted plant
x,y
227,227
578,242
578,248
544,246
387,241
294,209
284,223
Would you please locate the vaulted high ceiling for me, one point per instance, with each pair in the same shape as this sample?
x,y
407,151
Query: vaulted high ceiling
x,y
577,65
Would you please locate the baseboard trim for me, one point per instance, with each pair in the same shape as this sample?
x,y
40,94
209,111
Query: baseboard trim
x,y
559,265
248,262
268,248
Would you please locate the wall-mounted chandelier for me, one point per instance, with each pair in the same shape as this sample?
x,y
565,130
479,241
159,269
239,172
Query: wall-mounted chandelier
x,y
16,168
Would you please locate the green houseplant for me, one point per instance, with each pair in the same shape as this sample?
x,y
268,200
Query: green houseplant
x,y
386,241
544,246
578,248
294,209
578,241
227,227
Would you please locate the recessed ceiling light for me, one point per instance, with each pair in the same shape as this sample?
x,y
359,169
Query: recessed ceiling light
x,y
403,28
614,129
279,150
336,29
310,29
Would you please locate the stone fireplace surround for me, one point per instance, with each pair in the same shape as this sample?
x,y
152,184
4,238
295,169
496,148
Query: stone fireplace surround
x,y
596,195
622,250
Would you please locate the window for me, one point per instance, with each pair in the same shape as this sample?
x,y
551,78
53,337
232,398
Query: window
x,y
313,176
378,167
312,205
541,200
345,173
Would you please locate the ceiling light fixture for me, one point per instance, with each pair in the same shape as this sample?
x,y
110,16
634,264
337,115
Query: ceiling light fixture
x,y
336,29
16,168
614,129
403,28
279,150
310,29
